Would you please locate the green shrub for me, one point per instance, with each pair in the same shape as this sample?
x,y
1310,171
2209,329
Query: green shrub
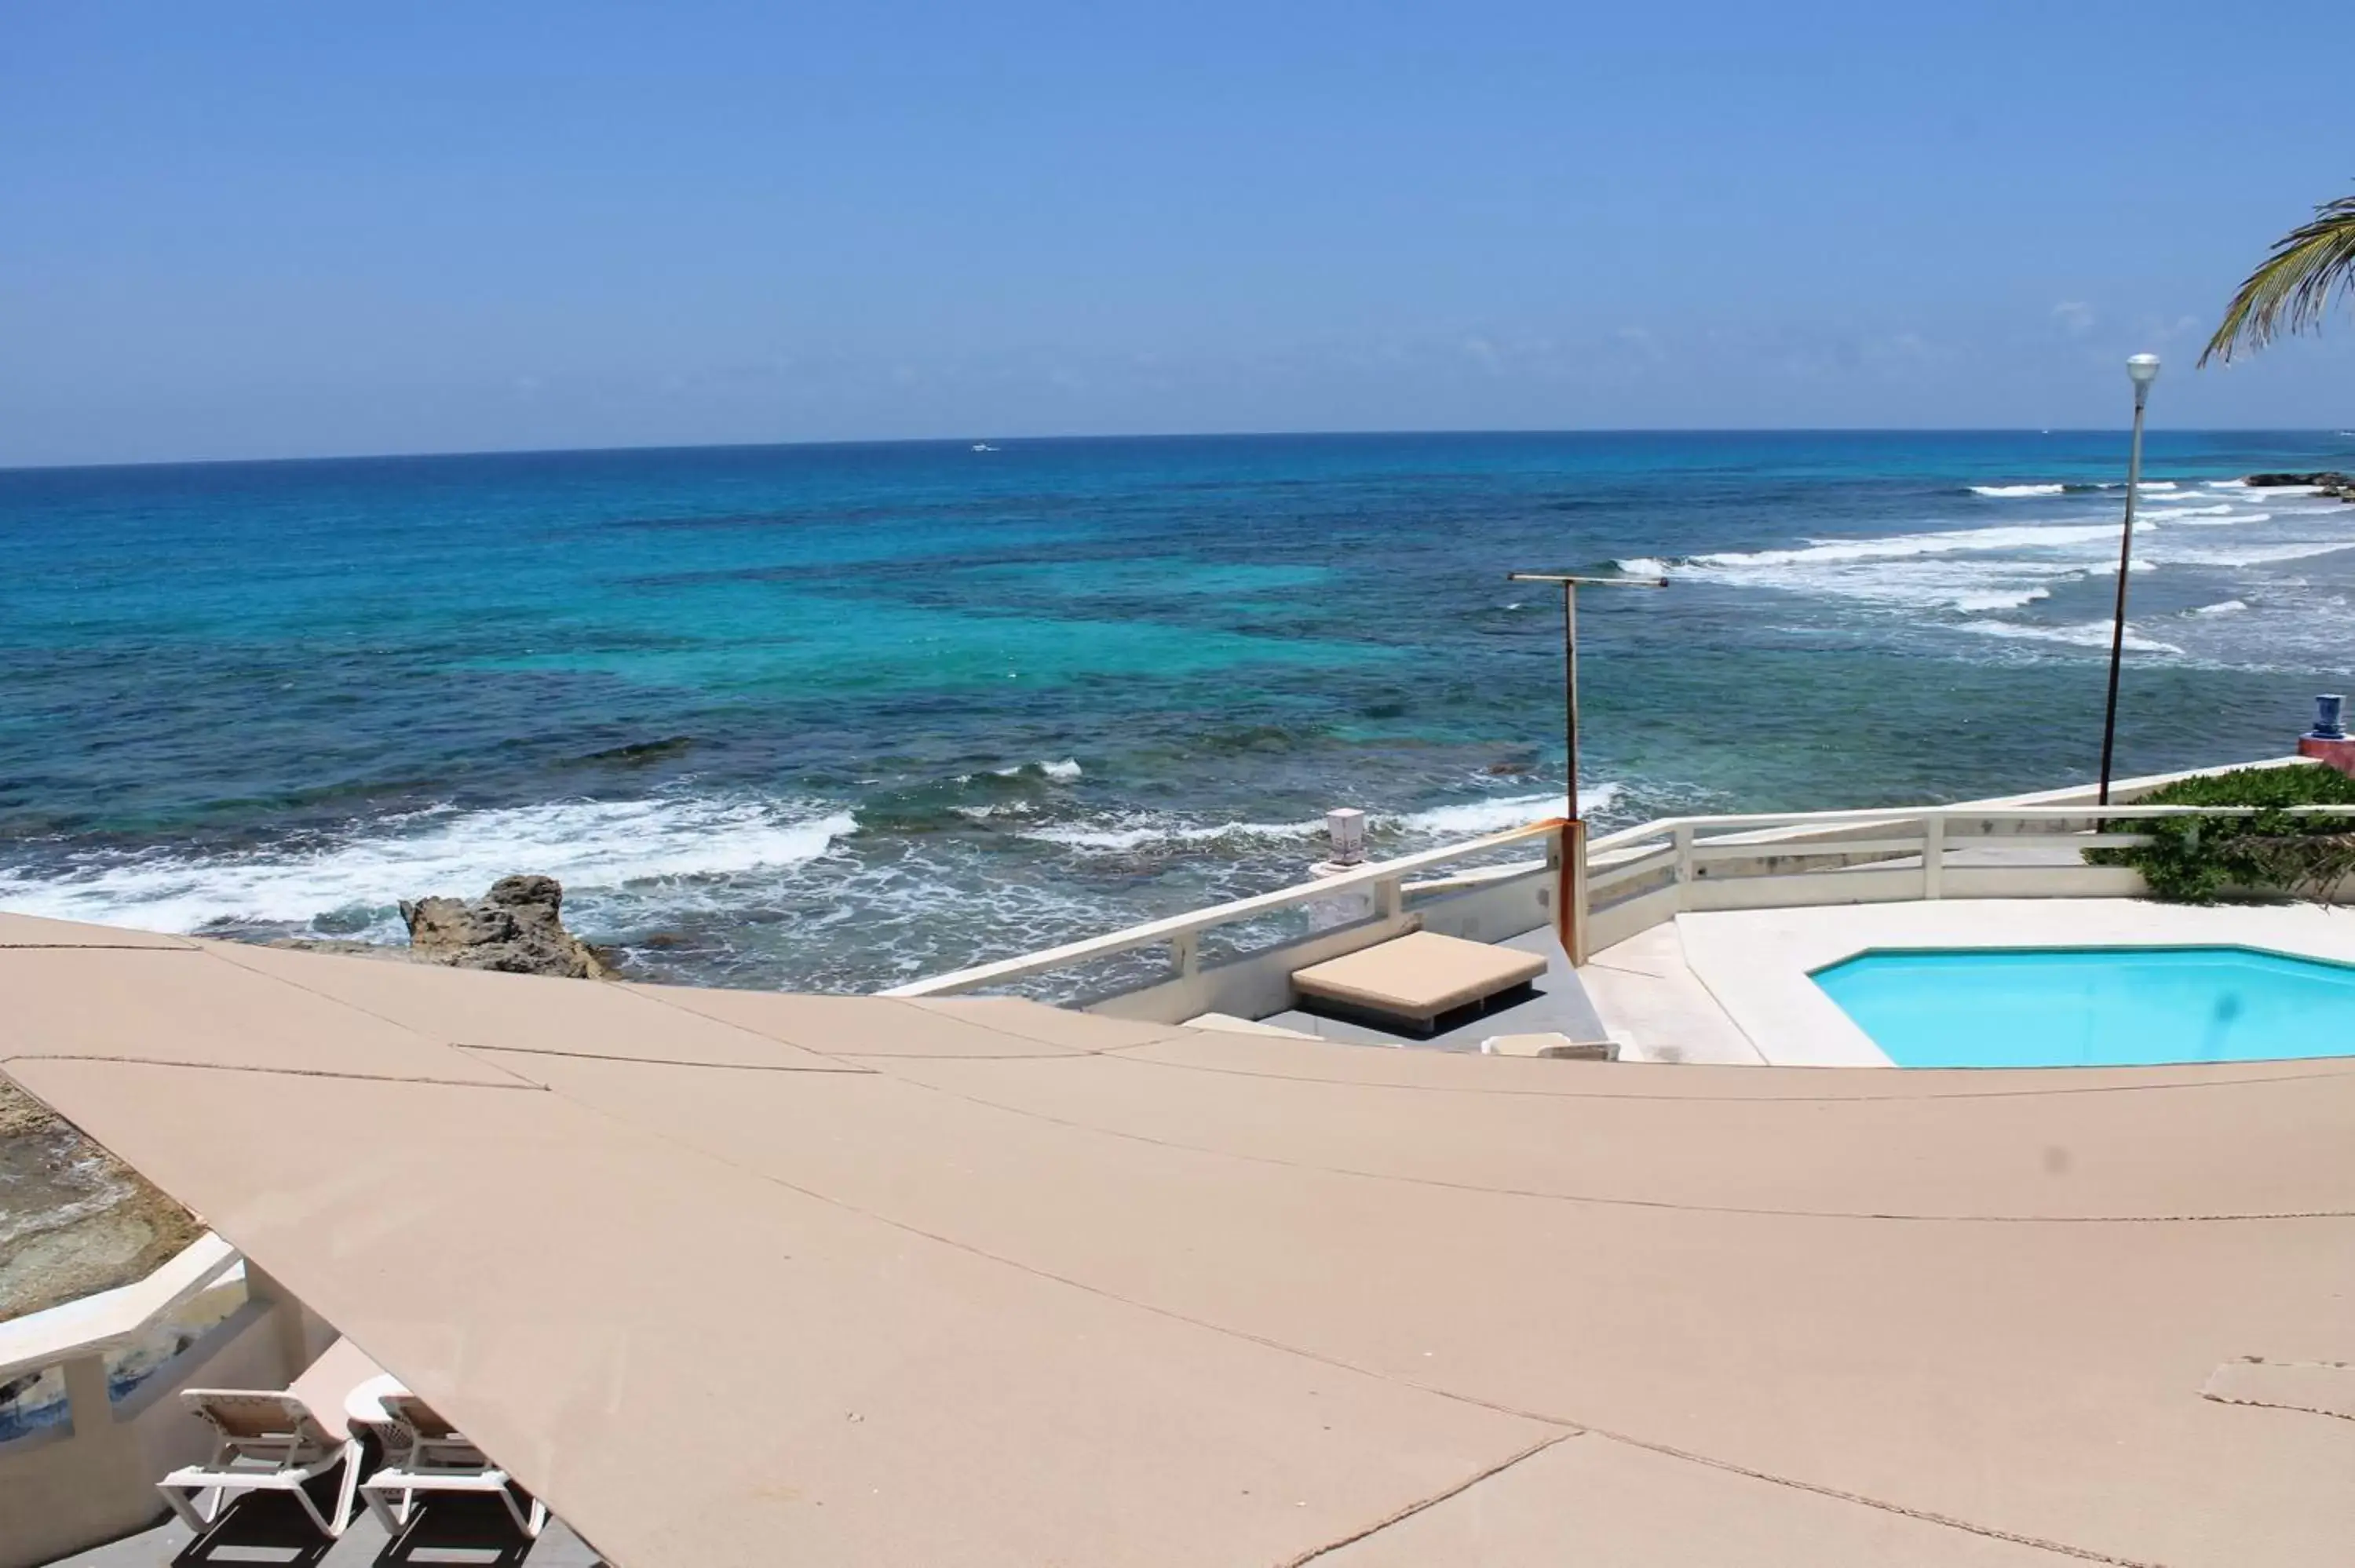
x,y
2190,860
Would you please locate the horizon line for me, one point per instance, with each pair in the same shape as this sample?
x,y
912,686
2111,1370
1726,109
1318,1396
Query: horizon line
x,y
1402,431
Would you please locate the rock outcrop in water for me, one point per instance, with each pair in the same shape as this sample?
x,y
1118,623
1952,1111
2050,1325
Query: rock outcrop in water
x,y
517,927
2329,481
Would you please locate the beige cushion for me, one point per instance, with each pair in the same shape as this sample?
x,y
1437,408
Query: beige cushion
x,y
1419,976
1559,1046
1227,1023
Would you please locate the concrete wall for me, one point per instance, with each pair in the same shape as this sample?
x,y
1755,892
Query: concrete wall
x,y
66,1490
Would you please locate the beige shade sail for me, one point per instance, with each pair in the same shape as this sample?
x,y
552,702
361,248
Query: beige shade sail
x,y
738,1278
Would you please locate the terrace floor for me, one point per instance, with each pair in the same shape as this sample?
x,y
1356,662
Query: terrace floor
x,y
1733,986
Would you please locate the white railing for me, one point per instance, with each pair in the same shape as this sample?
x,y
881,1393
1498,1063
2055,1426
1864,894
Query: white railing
x,y
1385,880
1929,832
1636,877
1641,876
94,1325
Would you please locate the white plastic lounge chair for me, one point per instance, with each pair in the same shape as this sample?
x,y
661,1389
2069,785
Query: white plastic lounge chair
x,y
264,1443
424,1453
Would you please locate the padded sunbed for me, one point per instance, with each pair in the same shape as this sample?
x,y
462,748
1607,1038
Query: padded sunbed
x,y
1418,978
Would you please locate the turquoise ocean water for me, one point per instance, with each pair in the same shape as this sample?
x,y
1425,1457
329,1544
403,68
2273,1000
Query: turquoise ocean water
x,y
835,716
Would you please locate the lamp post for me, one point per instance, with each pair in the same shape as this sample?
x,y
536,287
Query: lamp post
x,y
2142,370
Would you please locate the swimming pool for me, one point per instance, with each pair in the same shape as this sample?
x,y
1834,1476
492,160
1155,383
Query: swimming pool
x,y
2089,1007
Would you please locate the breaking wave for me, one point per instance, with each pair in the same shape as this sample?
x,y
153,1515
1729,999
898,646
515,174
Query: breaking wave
x,y
1476,817
2074,487
2091,634
1899,546
2258,554
1985,572
1138,830
588,845
1134,832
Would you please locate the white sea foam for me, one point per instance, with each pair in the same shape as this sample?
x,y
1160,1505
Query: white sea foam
x,y
1987,570
1958,569
587,845
1638,566
1471,818
1139,831
996,808
2092,634
1063,771
2023,492
1899,546
2228,606
2256,555
1972,602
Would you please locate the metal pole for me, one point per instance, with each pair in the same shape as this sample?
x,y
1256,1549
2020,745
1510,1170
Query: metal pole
x,y
2118,619
1570,881
1570,688
1570,584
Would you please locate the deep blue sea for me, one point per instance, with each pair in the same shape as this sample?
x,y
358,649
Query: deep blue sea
x,y
835,716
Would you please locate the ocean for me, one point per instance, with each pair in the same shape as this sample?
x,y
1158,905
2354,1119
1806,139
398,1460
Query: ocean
x,y
831,718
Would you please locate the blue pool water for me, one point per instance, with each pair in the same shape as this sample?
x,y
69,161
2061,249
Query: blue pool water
x,y
2093,1007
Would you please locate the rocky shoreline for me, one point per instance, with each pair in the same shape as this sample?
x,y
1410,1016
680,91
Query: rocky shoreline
x,y
74,1220
2326,482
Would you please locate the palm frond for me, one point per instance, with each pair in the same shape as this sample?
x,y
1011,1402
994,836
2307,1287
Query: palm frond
x,y
2290,292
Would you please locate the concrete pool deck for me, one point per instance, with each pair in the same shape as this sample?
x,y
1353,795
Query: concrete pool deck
x,y
1733,986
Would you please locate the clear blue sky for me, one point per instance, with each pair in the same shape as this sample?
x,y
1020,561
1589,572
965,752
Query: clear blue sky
x,y
290,229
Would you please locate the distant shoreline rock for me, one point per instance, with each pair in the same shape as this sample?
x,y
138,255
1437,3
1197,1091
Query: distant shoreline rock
x,y
2326,481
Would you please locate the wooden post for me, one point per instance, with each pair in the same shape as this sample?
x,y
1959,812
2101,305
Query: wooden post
x,y
1568,858
1570,688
